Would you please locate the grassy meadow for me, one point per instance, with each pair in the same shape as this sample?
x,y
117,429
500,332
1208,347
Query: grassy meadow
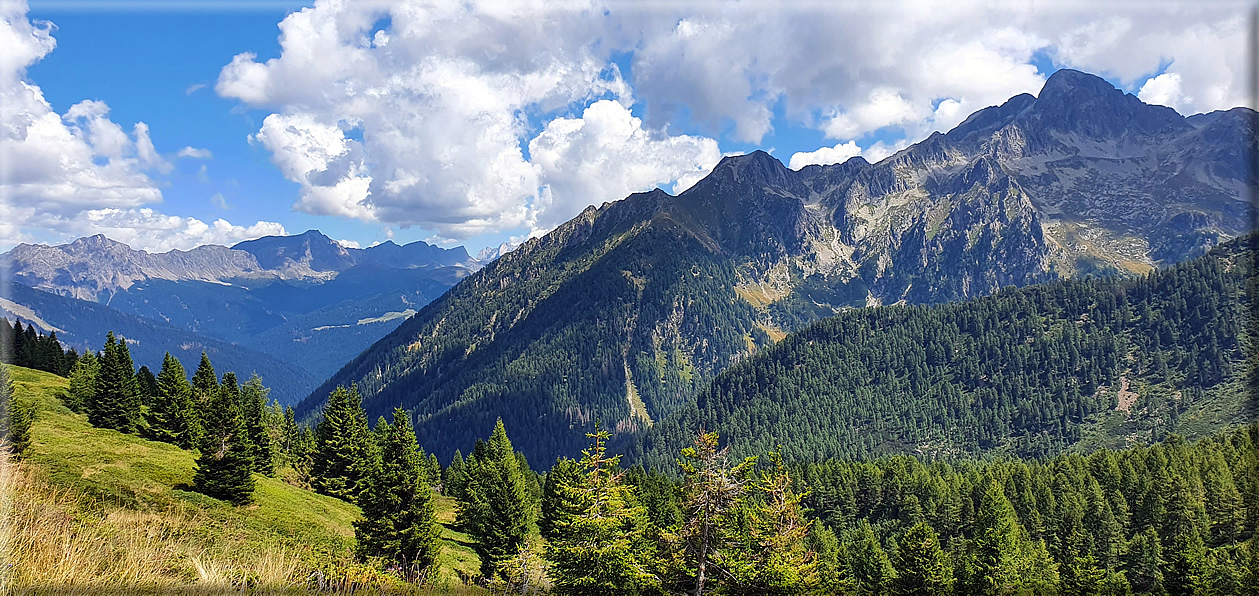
x,y
93,511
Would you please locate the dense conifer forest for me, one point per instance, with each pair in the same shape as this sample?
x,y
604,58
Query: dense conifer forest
x,y
1026,371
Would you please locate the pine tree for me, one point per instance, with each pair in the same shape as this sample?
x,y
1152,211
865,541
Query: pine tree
x,y
601,550
173,417
224,467
344,453
995,549
494,508
82,390
921,565
15,419
116,404
253,399
399,519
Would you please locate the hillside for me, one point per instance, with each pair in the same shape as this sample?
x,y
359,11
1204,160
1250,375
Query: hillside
x,y
1030,372
98,509
625,312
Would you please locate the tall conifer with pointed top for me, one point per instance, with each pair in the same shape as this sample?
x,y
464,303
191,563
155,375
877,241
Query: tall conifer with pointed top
x,y
399,519
224,469
82,390
921,565
205,386
495,504
172,416
15,417
117,401
253,401
344,453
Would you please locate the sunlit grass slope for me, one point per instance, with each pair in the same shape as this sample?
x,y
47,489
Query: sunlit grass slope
x,y
94,510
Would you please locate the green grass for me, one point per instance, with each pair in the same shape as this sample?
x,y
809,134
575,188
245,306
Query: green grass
x,y
117,476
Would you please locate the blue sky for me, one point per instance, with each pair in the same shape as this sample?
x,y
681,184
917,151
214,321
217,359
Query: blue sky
x,y
479,123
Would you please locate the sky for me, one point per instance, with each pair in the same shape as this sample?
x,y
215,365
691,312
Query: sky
x,y
171,124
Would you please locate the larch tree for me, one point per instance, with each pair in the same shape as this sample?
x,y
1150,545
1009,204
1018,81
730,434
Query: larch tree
x,y
921,566
399,522
995,549
710,490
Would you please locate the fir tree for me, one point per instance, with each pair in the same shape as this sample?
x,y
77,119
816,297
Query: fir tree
x,y
173,416
82,390
601,550
344,453
224,467
116,404
399,523
253,401
494,507
921,566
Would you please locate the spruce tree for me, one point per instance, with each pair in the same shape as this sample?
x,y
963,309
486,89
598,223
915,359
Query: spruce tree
x,y
224,468
921,566
871,566
494,507
205,386
559,501
116,404
399,521
455,477
253,400
82,390
173,416
995,549
1143,563
602,550
344,453
834,573
15,419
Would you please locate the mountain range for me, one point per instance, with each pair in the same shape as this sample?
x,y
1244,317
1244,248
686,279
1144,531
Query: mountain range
x,y
624,313
305,302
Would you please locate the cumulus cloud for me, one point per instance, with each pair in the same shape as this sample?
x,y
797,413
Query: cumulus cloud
x,y
607,153
473,117
79,173
825,156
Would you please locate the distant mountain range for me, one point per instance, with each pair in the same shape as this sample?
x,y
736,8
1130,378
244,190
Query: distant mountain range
x,y
305,301
623,314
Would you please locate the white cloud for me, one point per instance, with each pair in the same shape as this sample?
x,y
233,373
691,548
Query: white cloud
x,y
80,173
1164,90
218,200
195,153
193,88
840,153
607,154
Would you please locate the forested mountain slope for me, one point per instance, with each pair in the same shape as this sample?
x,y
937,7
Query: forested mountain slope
x,y
624,312
1030,371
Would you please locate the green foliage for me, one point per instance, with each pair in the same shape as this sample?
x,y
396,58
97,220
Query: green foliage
x,y
602,549
172,414
769,554
560,504
31,349
82,389
833,569
711,491
921,566
116,403
224,466
1031,372
399,524
205,387
495,504
871,566
15,417
993,557
253,404
344,451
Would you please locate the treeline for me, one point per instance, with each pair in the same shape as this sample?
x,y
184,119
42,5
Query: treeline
x,y
1174,518
1019,372
28,348
230,424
